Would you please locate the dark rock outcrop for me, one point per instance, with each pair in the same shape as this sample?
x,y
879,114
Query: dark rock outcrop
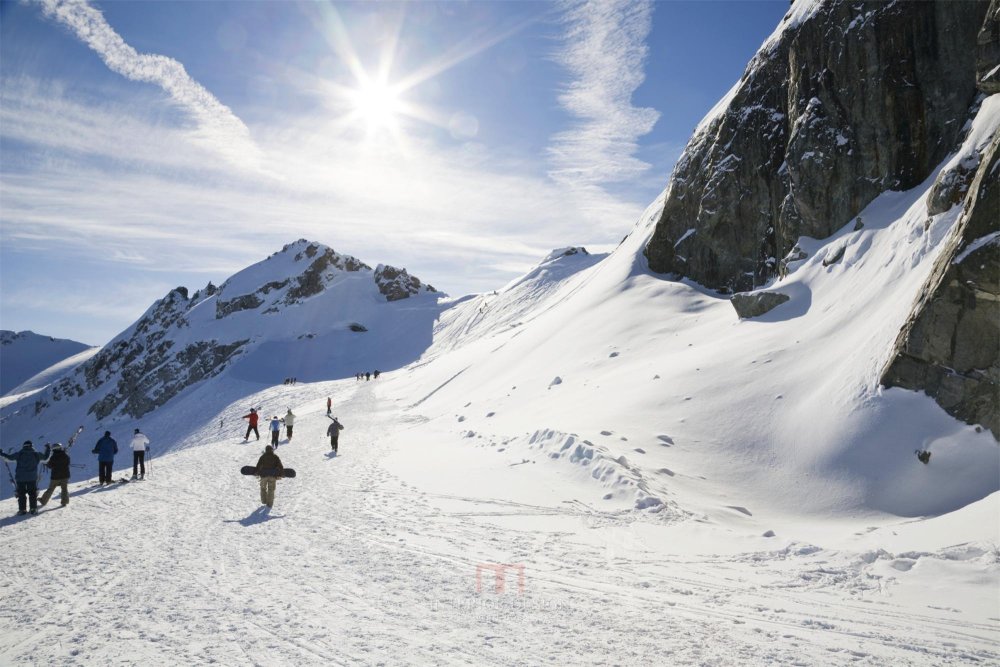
x,y
988,52
142,366
395,284
857,99
950,346
756,304
310,282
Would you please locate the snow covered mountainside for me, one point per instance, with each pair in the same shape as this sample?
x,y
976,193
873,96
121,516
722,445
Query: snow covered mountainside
x,y
594,464
305,312
25,354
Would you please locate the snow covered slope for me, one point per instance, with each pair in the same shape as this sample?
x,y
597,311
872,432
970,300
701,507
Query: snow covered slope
x,y
592,465
53,373
25,354
605,443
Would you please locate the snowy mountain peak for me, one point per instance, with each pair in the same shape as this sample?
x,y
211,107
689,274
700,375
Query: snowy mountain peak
x,y
298,313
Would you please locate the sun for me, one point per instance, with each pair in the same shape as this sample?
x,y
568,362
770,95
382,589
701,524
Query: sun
x,y
378,104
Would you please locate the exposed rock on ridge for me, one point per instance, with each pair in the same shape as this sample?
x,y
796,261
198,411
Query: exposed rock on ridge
x,y
950,346
395,284
856,99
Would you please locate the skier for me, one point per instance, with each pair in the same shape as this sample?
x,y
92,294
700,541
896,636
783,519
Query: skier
x,y
329,406
140,444
275,430
58,464
26,475
269,469
252,425
334,432
106,448
289,423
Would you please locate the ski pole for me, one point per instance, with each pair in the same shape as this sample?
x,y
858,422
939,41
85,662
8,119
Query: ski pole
x,y
10,475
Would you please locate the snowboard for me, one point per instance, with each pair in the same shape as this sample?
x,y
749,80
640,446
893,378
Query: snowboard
x,y
252,470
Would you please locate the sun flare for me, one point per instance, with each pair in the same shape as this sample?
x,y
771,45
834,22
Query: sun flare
x,y
378,104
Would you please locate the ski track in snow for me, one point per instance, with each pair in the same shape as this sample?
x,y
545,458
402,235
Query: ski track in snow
x,y
355,565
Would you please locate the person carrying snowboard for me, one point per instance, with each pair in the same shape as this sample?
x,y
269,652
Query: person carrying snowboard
x,y
275,430
269,469
58,465
289,423
106,448
140,443
26,475
334,432
252,417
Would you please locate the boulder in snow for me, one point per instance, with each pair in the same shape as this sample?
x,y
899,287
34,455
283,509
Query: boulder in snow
x,y
755,304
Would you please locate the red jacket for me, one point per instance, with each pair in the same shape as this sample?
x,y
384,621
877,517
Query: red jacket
x,y
252,417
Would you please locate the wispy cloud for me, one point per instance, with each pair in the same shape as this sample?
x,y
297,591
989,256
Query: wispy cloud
x,y
216,126
110,179
436,211
604,51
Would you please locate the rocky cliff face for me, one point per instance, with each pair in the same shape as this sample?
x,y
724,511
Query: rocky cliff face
x,y
845,101
950,346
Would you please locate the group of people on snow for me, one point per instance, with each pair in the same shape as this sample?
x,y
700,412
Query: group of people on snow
x,y
367,375
253,418
269,468
56,458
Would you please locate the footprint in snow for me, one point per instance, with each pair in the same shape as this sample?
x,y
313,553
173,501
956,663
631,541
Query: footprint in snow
x,y
665,440
490,414
640,450
612,355
555,381
605,432
666,471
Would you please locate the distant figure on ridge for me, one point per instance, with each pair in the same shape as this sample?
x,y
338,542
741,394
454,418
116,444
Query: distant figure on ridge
x,y
140,443
334,432
58,465
106,448
368,376
375,375
26,475
253,417
289,423
329,406
269,469
275,430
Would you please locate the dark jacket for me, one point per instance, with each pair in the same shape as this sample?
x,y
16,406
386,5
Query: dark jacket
x,y
106,448
27,463
334,429
269,465
58,463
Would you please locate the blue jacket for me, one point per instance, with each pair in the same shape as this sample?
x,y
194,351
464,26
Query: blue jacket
x,y
106,449
27,463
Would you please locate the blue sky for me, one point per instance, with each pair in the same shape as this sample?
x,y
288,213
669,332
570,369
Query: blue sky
x,y
146,145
